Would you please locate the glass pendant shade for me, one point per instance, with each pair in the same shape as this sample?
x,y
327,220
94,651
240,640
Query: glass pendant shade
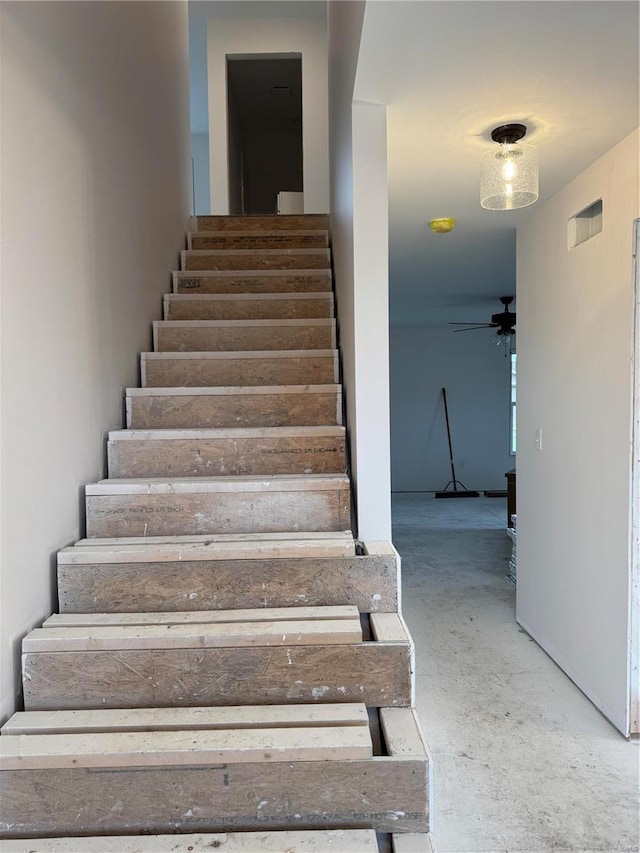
x,y
509,177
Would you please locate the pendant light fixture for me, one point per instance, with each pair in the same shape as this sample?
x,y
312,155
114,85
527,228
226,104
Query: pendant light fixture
x,y
510,173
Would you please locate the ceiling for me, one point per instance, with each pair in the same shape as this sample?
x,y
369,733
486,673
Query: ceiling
x,y
450,71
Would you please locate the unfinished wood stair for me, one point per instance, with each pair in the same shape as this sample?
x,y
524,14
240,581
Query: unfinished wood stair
x,y
228,663
234,406
207,452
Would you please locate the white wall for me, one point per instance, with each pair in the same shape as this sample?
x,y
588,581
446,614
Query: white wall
x,y
575,320
359,221
306,36
201,178
95,198
477,377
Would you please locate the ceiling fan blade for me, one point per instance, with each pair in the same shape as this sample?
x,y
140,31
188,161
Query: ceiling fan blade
x,y
473,328
478,325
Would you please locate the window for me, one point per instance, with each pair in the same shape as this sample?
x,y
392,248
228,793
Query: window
x,y
512,411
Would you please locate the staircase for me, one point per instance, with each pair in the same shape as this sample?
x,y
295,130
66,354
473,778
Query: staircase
x,y
229,668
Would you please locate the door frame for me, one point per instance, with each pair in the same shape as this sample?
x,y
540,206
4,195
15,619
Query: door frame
x,y
634,561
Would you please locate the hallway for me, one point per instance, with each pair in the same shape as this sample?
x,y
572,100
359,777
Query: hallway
x,y
523,763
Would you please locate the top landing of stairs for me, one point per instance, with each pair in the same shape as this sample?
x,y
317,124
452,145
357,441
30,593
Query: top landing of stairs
x,y
279,222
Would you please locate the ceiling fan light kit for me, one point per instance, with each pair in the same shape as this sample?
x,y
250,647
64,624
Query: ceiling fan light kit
x,y
509,175
504,322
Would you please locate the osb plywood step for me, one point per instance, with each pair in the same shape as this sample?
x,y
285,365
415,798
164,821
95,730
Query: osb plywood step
x,y
297,239
102,750
185,719
68,632
236,406
265,841
223,546
247,306
308,777
255,259
210,452
275,222
240,504
129,575
147,666
253,281
243,335
208,369
261,616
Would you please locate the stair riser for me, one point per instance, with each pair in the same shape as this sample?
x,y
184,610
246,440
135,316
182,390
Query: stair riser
x,y
193,282
289,222
384,793
259,241
260,410
369,582
258,261
250,309
212,457
193,372
217,512
378,674
243,339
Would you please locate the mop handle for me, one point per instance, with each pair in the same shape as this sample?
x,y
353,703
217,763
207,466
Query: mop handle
x,y
446,414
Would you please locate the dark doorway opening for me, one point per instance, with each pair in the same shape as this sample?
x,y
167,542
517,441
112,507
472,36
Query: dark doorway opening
x,y
264,122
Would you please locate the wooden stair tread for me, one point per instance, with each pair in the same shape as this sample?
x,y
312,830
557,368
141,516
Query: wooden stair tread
x,y
286,221
175,748
227,432
285,323
276,253
250,546
240,354
182,485
203,617
232,390
317,239
196,635
220,539
206,241
185,719
310,841
282,232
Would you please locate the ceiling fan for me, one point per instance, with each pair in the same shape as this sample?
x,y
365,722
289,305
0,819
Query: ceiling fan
x,y
504,322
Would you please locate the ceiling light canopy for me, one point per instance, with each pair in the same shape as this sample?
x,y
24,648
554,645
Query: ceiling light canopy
x,y
510,173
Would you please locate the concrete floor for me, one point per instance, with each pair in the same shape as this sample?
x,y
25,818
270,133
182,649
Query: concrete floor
x,y
523,761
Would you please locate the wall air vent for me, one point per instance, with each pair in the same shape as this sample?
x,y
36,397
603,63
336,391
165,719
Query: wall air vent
x,y
585,225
